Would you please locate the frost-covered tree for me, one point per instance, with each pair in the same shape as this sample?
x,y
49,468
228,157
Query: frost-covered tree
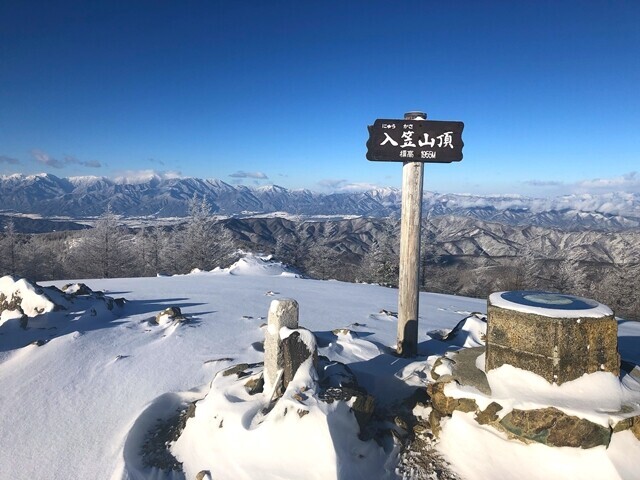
x,y
43,257
618,288
568,277
430,253
320,262
9,249
288,249
155,251
103,251
202,243
380,264
530,266
195,243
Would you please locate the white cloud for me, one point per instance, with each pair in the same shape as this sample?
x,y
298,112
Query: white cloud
x,y
331,183
626,183
345,186
544,183
243,174
46,159
358,187
9,160
629,182
142,176
85,163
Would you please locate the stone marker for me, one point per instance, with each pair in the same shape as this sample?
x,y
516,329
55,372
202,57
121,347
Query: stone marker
x,y
282,313
559,337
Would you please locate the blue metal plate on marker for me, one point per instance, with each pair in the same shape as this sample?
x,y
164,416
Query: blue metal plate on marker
x,y
555,301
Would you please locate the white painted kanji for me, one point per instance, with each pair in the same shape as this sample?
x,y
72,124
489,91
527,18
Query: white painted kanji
x,y
388,139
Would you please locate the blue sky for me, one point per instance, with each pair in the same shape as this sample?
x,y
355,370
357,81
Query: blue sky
x,y
261,92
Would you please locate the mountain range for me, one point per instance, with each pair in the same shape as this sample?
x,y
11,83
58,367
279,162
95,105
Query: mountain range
x,y
448,237
80,197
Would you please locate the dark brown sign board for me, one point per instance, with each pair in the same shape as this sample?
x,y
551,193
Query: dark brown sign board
x,y
428,141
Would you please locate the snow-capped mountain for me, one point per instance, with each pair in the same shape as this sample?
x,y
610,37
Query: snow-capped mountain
x,y
76,197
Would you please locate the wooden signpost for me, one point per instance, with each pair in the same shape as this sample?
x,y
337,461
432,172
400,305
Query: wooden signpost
x,y
413,141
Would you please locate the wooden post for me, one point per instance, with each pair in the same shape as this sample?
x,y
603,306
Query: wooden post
x,y
409,281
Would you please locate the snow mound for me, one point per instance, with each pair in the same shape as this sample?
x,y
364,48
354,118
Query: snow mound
x,y
257,265
35,309
20,295
469,332
598,392
238,433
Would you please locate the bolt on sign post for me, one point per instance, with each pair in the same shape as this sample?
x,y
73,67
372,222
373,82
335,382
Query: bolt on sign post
x,y
413,141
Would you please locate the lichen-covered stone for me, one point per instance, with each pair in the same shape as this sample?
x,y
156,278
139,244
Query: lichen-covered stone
x,y
363,408
489,414
635,428
339,383
466,405
631,423
255,385
10,304
439,401
294,353
236,369
204,475
447,405
434,422
555,428
76,289
436,364
172,313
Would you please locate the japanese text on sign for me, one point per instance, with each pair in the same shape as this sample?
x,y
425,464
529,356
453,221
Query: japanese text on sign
x,y
415,140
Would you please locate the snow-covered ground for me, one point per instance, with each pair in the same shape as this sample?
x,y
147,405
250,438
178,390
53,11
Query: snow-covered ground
x,y
80,405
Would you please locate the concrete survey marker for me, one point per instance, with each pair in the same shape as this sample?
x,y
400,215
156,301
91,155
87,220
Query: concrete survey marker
x,y
559,337
282,313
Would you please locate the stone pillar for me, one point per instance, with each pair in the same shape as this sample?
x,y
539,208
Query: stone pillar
x,y
559,337
282,313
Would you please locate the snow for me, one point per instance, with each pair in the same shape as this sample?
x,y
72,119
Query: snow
x,y
253,264
469,332
80,405
598,310
597,397
482,453
280,444
33,302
